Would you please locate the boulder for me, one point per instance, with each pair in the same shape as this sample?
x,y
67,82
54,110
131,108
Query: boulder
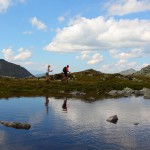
x,y
120,92
147,94
113,93
127,91
78,93
142,91
136,80
16,125
113,119
136,92
136,123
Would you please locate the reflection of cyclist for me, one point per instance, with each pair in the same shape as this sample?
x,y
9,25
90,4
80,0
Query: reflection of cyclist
x,y
64,106
46,103
65,71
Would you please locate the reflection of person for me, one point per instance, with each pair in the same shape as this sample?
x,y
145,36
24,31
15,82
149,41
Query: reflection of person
x,y
65,71
47,73
46,103
64,106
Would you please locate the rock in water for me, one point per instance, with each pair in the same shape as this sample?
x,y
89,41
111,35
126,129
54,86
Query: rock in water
x,y
113,119
16,125
136,123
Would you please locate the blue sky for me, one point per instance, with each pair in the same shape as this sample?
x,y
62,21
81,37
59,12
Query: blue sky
x,y
107,35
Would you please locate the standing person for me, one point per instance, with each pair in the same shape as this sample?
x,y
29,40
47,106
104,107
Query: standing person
x,y
47,73
65,71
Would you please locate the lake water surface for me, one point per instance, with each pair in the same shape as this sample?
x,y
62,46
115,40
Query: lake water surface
x,y
75,125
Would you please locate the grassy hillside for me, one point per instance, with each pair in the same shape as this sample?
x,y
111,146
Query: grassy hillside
x,y
94,84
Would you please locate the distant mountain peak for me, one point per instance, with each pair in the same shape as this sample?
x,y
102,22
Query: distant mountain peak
x,y
128,71
91,71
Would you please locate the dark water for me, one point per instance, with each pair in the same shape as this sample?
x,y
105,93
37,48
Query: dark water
x,y
76,124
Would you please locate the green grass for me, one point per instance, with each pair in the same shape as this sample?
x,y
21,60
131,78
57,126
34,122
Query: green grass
x,y
91,85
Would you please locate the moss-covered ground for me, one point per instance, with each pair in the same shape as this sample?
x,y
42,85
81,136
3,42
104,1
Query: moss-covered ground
x,y
93,84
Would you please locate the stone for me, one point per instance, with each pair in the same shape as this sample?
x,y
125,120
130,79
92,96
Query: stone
x,y
113,93
120,92
147,94
136,123
142,91
77,93
16,125
128,91
113,119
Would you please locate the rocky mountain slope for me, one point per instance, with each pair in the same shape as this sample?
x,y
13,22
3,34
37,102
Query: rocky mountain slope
x,y
13,70
144,71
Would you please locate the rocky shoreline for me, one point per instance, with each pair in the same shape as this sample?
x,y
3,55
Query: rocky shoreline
x,y
145,92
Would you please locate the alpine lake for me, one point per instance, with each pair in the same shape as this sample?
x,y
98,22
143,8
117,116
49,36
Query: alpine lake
x,y
74,124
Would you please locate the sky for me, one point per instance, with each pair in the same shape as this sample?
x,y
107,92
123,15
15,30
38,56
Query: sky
x,y
106,35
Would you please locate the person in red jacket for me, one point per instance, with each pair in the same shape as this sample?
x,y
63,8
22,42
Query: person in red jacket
x,y
65,71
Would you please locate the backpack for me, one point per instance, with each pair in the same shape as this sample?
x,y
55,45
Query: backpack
x,y
64,69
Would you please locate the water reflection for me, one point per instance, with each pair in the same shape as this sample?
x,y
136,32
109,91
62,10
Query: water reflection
x,y
64,106
84,126
46,103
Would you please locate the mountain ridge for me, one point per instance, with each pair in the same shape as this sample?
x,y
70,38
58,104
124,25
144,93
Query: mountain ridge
x,y
13,70
128,71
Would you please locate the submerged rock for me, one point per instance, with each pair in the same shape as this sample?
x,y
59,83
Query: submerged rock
x,y
113,119
16,125
136,123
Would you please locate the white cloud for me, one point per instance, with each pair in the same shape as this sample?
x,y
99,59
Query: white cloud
x,y
23,1
4,5
91,59
38,24
29,63
83,55
145,65
27,32
63,16
101,34
123,7
134,53
121,65
8,53
96,58
61,19
23,54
